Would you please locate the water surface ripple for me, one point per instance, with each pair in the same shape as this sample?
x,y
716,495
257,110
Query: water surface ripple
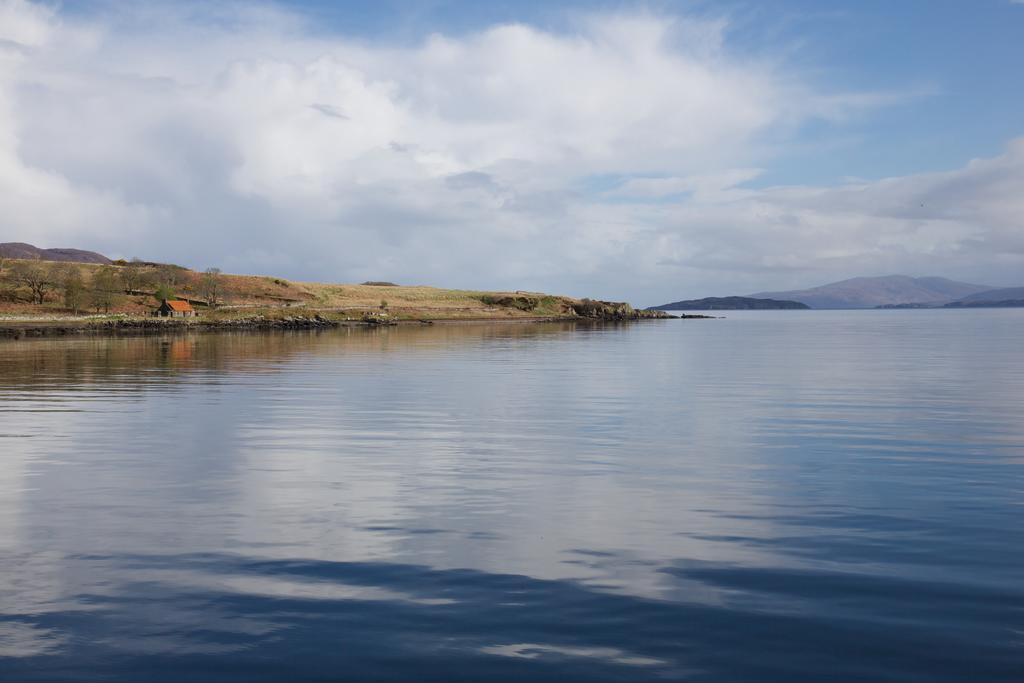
x,y
776,496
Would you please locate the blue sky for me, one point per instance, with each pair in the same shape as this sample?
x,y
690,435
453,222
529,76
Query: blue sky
x,y
961,59
633,150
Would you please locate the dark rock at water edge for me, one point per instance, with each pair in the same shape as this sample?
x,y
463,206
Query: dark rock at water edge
x,y
613,311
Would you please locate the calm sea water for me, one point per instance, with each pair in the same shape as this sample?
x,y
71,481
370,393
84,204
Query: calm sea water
x,y
776,496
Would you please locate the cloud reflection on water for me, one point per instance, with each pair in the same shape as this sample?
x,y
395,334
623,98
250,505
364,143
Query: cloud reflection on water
x,y
466,489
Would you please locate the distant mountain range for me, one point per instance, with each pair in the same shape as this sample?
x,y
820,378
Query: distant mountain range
x,y
1002,303
889,291
870,292
729,303
21,250
1007,297
994,295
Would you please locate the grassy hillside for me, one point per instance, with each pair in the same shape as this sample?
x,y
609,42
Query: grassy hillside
x,y
43,289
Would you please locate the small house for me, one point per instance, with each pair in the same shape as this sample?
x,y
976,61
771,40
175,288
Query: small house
x,y
175,309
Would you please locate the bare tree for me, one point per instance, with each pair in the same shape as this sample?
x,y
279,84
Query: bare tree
x,y
70,279
36,276
132,275
210,286
171,275
7,292
104,284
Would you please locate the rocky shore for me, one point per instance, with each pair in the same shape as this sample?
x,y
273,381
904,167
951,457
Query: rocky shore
x,y
586,310
613,311
163,326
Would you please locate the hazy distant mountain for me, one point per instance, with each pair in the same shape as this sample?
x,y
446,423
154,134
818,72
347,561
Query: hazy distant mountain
x,y
1005,294
1007,297
868,292
27,251
1004,303
728,303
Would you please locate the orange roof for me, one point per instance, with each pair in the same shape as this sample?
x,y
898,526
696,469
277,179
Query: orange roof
x,y
180,306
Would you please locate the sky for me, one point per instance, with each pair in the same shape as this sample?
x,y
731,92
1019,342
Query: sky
x,y
646,152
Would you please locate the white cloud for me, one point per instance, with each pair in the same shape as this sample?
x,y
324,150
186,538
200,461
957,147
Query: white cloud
x,y
24,24
924,223
717,186
237,136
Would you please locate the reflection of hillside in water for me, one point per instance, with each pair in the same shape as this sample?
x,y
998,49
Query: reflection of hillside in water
x,y
63,363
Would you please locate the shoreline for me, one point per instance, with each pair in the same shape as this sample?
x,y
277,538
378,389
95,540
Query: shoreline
x,y
38,329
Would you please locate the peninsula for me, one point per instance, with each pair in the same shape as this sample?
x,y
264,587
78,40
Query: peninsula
x,y
40,297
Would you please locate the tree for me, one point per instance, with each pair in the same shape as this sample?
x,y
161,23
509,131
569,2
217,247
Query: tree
x,y
170,275
383,306
210,286
70,278
104,284
8,286
164,292
132,275
169,280
36,276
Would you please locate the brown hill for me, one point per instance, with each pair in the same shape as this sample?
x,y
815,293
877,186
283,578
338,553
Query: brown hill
x,y
21,250
29,287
